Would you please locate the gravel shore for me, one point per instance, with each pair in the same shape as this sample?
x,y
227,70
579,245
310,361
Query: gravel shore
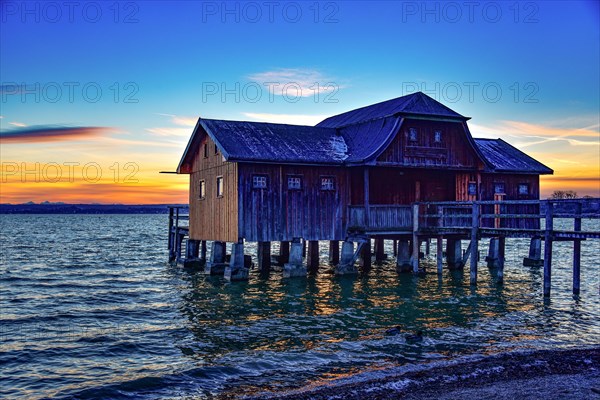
x,y
548,375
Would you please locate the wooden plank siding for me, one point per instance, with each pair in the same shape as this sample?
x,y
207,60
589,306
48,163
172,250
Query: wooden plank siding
x,y
277,213
453,149
213,218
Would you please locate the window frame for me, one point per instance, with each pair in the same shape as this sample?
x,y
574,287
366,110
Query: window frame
x,y
526,186
327,189
254,181
300,179
470,185
437,136
216,149
412,138
205,150
202,189
503,191
220,186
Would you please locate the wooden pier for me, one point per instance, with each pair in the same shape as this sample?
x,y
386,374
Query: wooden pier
x,y
411,225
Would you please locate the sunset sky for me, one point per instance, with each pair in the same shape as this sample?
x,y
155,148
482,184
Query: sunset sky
x,y
97,97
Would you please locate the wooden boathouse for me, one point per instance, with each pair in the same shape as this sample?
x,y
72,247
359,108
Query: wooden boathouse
x,y
405,169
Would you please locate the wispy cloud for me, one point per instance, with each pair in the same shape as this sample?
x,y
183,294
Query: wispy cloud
x,y
293,119
19,124
528,134
296,82
177,131
169,131
50,133
181,120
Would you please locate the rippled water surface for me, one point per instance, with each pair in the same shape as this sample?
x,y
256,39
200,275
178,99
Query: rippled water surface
x,y
89,308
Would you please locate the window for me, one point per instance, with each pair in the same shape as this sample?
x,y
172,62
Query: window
x,y
219,186
523,188
412,134
294,182
216,149
472,188
206,150
202,189
327,183
437,136
499,188
259,181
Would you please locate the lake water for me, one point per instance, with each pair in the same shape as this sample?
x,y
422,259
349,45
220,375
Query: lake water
x,y
90,308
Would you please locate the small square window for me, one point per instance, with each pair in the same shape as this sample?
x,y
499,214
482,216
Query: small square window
x,y
412,134
327,183
294,182
205,150
472,188
202,189
437,136
259,181
219,186
524,188
499,188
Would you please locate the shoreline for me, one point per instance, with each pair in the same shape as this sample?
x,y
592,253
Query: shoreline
x,y
548,374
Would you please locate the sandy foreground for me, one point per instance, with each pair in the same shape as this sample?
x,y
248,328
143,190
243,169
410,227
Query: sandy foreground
x,y
547,375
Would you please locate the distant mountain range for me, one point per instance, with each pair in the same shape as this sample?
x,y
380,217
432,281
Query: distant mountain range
x,y
62,208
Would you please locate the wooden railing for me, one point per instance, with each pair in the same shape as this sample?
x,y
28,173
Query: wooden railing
x,y
509,215
380,217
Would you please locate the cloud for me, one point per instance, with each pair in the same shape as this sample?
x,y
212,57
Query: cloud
x,y
166,131
181,120
19,124
529,134
296,82
293,119
48,133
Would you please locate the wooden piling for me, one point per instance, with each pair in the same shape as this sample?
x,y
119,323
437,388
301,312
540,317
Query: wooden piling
x,y
334,252
415,238
263,253
453,254
501,258
284,252
170,228
203,250
474,243
439,253
548,248
577,251
379,249
312,256
365,255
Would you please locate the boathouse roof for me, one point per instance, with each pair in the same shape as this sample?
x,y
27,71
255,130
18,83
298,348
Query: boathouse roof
x,y
413,104
507,158
352,138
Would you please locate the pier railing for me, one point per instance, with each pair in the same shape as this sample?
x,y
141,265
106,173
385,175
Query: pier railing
x,y
508,217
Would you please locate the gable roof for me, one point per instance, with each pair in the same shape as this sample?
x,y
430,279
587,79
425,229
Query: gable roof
x,y
506,158
352,138
415,104
268,142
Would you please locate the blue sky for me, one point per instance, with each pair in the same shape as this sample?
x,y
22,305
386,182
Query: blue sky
x,y
525,71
